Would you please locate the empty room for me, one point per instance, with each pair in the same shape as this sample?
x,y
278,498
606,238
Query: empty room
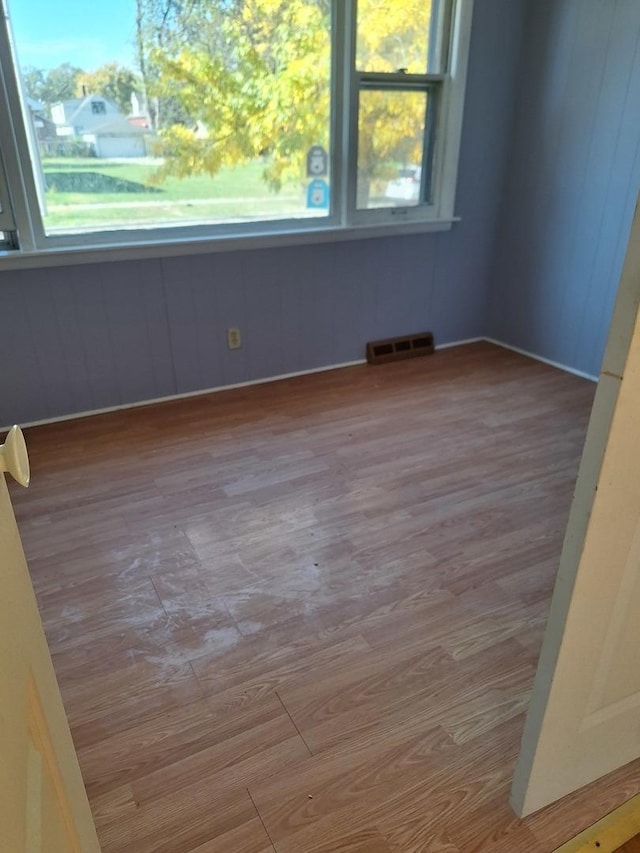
x,y
318,330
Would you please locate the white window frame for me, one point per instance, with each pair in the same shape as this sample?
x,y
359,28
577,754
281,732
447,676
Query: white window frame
x,y
7,223
19,192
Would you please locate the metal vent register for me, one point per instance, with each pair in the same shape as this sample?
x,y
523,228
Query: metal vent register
x,y
393,349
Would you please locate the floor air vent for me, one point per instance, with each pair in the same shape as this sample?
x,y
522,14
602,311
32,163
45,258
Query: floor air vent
x,y
393,349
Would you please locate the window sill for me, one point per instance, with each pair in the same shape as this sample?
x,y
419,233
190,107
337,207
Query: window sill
x,y
70,256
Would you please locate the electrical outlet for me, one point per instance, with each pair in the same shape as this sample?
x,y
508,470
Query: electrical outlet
x,y
233,338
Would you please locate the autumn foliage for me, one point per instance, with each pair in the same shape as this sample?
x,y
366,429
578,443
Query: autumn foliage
x,y
253,79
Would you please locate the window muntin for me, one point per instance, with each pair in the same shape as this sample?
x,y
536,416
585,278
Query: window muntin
x,y
449,23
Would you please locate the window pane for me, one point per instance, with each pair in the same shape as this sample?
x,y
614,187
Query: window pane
x,y
6,217
391,138
7,240
396,34
175,113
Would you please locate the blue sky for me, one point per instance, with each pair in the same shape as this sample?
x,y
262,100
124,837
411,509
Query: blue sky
x,y
85,33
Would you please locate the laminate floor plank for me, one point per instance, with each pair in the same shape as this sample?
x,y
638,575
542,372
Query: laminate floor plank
x,y
184,820
234,764
365,841
270,677
305,616
168,640
99,705
494,827
119,556
415,782
427,692
250,837
168,739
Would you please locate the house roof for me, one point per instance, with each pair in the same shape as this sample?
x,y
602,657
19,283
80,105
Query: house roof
x,y
74,106
34,106
78,113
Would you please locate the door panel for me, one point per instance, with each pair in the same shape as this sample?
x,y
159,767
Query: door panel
x,y
584,718
43,804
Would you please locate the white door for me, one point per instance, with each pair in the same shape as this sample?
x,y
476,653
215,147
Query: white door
x,y
43,804
584,718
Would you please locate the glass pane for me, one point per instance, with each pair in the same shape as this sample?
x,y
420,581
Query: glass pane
x,y
395,35
7,240
391,137
6,215
164,113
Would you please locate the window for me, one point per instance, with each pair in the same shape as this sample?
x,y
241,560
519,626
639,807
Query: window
x,y
196,121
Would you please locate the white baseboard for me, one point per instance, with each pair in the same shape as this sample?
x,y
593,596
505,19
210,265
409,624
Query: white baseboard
x,y
186,395
219,388
460,343
548,361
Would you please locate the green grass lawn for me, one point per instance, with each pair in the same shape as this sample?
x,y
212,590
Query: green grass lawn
x,y
90,193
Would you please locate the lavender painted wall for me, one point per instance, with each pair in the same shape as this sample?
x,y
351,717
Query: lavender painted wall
x,y
85,337
574,175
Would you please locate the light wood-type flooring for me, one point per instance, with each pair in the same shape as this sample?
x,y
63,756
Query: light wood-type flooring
x,y
304,617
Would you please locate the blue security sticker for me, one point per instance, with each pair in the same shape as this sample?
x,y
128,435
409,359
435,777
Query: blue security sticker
x,y
317,162
318,194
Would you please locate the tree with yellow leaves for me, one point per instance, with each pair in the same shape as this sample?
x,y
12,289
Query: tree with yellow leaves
x,y
111,80
254,78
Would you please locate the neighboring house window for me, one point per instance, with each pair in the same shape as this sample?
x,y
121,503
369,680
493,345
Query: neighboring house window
x,y
261,118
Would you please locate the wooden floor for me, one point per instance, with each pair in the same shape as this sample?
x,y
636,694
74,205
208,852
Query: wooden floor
x,y
305,616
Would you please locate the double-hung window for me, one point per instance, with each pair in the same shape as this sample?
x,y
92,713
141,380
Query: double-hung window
x,y
180,122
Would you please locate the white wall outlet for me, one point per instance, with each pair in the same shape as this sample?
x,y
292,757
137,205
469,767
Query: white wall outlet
x,y
233,338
